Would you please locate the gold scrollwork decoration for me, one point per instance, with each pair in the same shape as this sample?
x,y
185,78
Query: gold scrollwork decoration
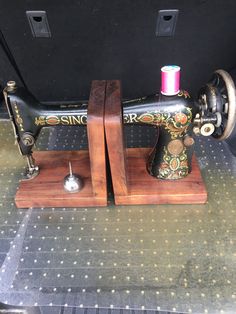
x,y
176,123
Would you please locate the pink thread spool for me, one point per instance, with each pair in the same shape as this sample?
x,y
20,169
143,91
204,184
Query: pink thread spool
x,y
170,78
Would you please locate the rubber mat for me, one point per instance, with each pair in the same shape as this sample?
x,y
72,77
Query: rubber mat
x,y
176,258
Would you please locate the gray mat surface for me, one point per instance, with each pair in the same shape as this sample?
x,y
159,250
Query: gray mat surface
x,y
178,258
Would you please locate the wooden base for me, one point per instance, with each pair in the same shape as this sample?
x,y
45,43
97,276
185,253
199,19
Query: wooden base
x,y
145,189
132,184
46,190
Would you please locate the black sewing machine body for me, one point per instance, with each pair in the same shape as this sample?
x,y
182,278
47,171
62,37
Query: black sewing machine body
x,y
29,116
177,117
173,115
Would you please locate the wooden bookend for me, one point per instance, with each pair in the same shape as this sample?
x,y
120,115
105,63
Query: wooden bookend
x,y
46,190
132,183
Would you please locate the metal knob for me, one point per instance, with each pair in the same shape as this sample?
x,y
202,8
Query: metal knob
x,y
11,85
28,139
207,129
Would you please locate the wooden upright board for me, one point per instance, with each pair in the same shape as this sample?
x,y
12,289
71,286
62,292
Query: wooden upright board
x,y
46,190
132,183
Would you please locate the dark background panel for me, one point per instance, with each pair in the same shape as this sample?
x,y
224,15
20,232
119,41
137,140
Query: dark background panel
x,y
115,39
7,72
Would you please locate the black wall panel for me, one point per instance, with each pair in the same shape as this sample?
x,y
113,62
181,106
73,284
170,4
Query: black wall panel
x,y
7,72
115,39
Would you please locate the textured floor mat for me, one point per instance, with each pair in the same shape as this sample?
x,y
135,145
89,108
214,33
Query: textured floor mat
x,y
177,258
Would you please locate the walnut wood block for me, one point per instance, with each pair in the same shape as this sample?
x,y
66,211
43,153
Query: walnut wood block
x,y
46,190
115,137
96,138
132,183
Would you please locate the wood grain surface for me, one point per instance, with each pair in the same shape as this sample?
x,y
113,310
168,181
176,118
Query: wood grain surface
x,y
115,137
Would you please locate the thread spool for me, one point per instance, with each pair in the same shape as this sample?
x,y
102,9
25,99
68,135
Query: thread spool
x,y
170,80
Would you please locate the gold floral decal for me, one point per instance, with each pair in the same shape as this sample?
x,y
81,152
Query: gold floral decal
x,y
40,120
19,119
176,123
173,167
49,120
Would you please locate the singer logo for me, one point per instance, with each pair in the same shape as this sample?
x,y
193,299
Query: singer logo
x,y
61,120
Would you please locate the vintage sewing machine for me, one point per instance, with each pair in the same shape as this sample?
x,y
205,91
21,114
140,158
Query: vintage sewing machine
x,y
178,118
46,175
29,116
136,173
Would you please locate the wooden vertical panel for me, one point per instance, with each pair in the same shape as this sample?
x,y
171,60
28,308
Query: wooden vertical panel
x,y
115,137
96,140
